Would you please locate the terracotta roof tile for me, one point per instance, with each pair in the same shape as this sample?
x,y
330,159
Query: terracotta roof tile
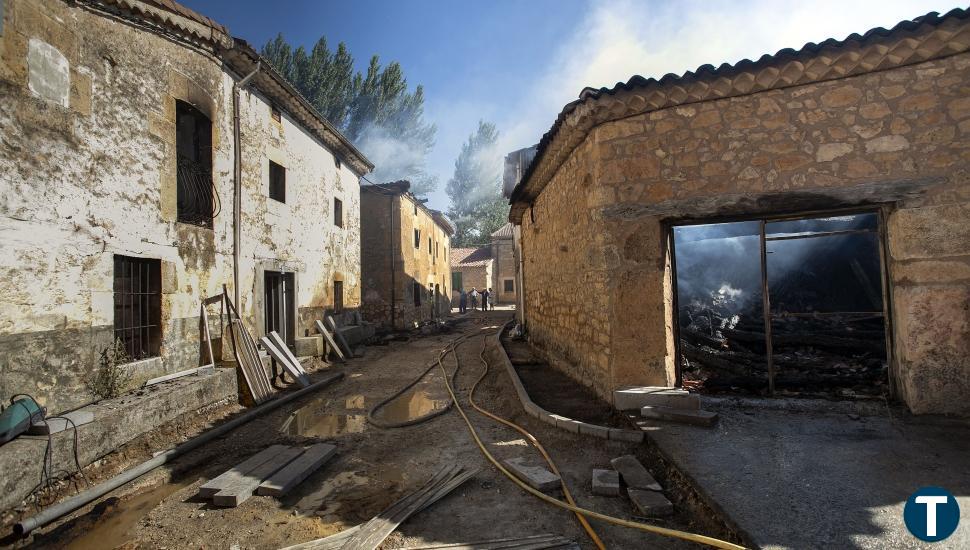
x,y
471,257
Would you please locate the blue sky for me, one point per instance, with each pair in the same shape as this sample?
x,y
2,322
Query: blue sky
x,y
516,63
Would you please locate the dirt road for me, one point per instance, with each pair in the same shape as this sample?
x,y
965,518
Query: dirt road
x,y
373,467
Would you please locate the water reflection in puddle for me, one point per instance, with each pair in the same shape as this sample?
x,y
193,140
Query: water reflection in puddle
x,y
355,402
410,406
113,528
308,423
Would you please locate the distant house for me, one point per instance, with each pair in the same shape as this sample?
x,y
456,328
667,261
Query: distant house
x,y
503,279
470,268
405,251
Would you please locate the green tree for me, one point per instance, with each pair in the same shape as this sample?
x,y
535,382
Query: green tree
x,y
477,205
374,109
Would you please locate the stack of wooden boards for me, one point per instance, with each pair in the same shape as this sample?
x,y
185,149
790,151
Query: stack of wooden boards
x,y
274,471
247,356
279,351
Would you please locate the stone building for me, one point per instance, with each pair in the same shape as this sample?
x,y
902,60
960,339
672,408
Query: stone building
x,y
504,265
118,169
875,125
405,257
471,268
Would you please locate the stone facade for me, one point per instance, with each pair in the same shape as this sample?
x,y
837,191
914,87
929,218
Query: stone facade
x,y
89,170
895,140
475,265
406,249
503,266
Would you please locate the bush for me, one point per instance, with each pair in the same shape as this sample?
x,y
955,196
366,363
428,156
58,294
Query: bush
x,y
111,378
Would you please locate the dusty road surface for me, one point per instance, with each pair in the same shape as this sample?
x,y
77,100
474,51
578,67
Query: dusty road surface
x,y
373,467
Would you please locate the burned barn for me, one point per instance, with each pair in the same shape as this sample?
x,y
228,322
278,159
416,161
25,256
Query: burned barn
x,y
794,225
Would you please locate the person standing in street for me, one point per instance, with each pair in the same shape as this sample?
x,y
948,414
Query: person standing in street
x,y
485,294
491,300
474,298
462,302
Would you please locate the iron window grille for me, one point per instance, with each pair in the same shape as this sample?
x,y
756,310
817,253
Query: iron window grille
x,y
138,305
196,202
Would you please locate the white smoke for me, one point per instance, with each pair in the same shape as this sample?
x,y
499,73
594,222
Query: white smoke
x,y
394,158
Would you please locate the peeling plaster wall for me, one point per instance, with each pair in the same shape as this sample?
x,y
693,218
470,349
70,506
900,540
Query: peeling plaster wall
x,y
897,139
97,177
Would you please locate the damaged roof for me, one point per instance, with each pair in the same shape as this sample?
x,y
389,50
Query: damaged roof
x,y
471,257
915,41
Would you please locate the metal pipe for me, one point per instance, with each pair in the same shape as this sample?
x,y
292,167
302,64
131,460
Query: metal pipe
x,y
766,310
105,487
237,182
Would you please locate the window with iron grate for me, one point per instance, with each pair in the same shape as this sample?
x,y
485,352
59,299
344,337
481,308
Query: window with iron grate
x,y
138,305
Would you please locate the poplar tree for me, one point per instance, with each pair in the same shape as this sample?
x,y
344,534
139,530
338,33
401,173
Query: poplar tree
x,y
477,206
373,109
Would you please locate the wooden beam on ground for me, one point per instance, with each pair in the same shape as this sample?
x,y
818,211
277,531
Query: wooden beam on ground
x,y
348,352
283,360
535,542
239,490
286,351
291,475
330,341
216,484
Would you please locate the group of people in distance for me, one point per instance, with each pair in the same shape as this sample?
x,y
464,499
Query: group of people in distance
x,y
485,295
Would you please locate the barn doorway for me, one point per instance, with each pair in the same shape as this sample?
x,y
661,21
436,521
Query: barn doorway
x,y
782,306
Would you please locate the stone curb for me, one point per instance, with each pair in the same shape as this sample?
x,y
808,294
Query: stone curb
x,y
559,421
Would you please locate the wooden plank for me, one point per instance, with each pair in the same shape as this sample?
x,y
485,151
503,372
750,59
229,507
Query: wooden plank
x,y
333,542
286,351
240,489
208,337
257,361
348,352
295,472
217,484
284,361
244,361
521,543
330,341
198,370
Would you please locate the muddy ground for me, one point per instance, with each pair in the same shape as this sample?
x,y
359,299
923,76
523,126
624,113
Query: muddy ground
x,y
372,469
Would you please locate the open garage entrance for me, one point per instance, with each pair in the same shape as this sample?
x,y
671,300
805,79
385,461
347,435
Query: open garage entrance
x,y
782,306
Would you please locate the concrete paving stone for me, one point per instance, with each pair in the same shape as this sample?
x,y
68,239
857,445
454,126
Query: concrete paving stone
x,y
634,474
537,477
694,418
650,503
606,483
601,432
567,424
630,436
635,397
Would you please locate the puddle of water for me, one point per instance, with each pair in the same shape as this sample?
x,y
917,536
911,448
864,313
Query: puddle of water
x,y
355,402
410,406
113,528
308,423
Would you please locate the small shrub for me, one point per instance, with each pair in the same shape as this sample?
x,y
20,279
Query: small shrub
x,y
111,378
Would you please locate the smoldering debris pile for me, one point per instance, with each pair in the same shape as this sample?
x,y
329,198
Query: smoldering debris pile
x,y
723,350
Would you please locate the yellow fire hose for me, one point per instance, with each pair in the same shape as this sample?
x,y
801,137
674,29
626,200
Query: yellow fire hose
x,y
571,506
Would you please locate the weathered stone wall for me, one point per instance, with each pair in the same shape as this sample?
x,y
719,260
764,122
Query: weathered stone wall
x,y
88,170
478,276
425,265
897,139
567,299
503,261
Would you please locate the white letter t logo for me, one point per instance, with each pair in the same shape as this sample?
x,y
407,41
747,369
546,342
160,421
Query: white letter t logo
x,y
930,502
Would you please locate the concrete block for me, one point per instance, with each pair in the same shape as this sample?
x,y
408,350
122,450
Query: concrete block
x,y
537,477
308,346
567,424
601,432
696,418
531,408
630,436
650,504
606,483
636,397
634,474
61,422
546,416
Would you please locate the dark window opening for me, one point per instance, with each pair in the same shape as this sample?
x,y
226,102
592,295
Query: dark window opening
x,y
509,285
277,182
456,281
279,294
338,212
417,238
416,289
276,114
429,245
338,296
817,281
193,145
138,305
